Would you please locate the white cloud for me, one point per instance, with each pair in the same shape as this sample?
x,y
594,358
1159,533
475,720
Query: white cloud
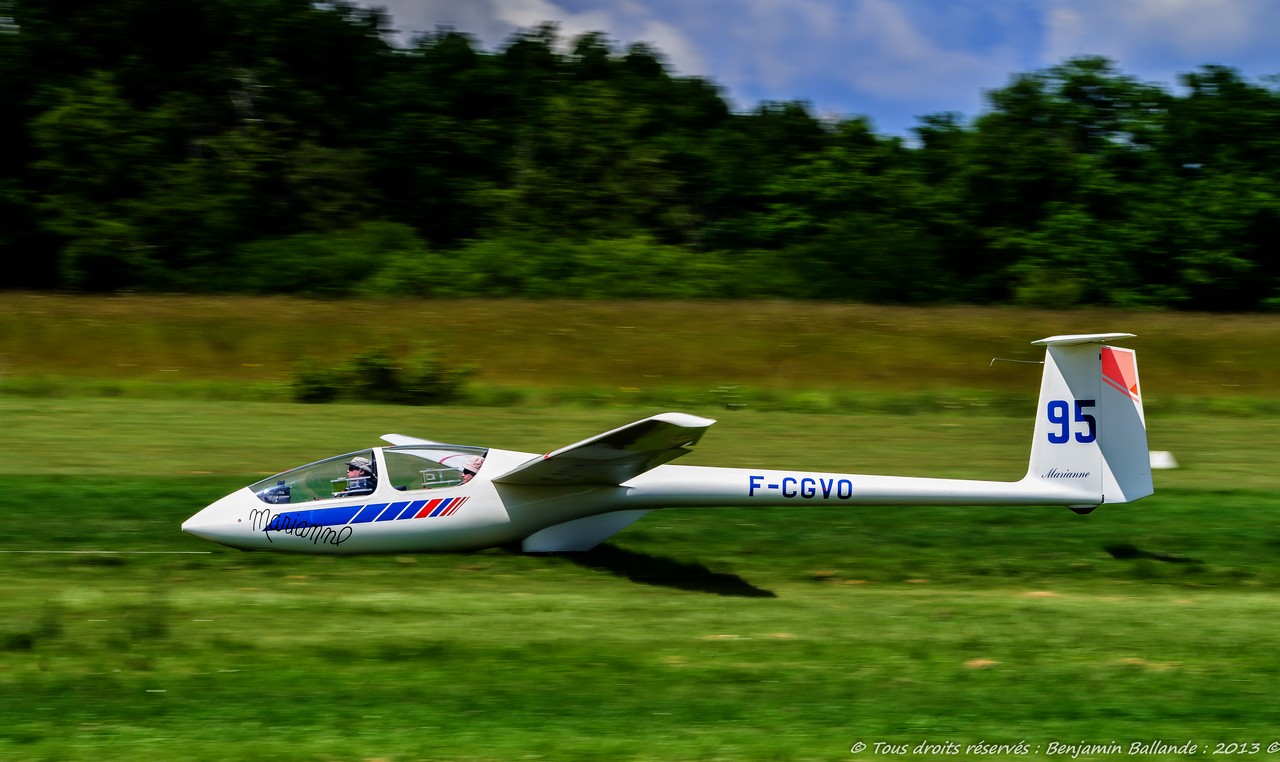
x,y
530,13
1153,33
681,52
493,21
898,61
876,48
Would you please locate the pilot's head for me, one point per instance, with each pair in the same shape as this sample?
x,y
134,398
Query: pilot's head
x,y
359,466
470,469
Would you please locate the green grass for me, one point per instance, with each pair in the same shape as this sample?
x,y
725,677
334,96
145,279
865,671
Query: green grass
x,y
703,634
694,634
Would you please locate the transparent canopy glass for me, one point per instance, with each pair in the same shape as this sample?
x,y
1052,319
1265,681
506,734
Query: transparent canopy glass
x,y
408,468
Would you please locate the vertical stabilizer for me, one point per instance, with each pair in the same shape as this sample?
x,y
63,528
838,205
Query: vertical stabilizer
x,y
1090,430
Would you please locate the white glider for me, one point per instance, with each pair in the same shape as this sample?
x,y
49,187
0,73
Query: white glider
x,y
416,495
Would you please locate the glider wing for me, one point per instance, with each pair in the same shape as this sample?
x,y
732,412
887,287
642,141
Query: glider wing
x,y
614,456
401,439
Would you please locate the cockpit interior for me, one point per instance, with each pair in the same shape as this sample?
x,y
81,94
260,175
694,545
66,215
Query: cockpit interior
x,y
407,468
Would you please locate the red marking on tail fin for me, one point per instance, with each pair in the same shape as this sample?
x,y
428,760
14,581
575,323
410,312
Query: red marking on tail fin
x,y
1120,371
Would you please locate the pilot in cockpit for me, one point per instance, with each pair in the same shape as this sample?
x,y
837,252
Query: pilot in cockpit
x,y
360,477
471,468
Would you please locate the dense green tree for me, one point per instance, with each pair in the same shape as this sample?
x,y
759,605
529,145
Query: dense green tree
x,y
287,146
439,150
27,253
585,169
1077,137
1222,143
98,154
852,219
1223,124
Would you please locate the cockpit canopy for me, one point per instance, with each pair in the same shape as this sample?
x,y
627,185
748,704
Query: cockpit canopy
x,y
408,468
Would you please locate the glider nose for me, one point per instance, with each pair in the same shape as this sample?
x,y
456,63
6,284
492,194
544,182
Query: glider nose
x,y
198,525
218,522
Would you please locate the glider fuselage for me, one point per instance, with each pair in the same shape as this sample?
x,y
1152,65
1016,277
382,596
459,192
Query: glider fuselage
x,y
482,513
1089,447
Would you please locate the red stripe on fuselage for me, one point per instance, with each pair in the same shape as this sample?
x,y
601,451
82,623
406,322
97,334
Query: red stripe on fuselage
x,y
428,508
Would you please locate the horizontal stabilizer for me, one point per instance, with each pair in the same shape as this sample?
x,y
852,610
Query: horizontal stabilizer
x,y
614,456
1074,339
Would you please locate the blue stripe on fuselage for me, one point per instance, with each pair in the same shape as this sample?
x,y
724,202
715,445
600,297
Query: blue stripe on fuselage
x,y
353,514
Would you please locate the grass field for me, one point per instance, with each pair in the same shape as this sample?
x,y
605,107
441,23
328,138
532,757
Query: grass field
x,y
693,635
815,357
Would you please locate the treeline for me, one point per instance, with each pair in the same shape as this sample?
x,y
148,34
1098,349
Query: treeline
x,y
285,146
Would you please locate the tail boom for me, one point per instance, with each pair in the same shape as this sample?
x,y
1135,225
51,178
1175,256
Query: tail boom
x,y
703,486
1089,448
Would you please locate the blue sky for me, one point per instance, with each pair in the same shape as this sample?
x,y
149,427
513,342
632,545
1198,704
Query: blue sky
x,y
889,60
